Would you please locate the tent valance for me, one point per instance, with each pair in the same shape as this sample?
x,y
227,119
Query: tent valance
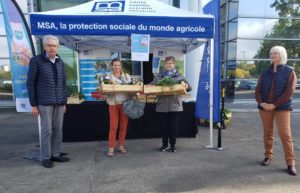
x,y
122,18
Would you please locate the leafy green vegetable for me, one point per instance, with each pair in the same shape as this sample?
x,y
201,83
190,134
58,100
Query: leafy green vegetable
x,y
106,81
166,81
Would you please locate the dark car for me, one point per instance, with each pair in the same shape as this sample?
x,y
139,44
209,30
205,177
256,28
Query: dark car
x,y
248,85
298,84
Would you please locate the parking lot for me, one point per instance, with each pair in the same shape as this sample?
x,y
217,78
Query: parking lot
x,y
192,169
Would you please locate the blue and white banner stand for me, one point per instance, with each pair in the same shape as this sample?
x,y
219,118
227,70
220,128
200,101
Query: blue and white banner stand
x,y
20,51
155,65
210,85
140,45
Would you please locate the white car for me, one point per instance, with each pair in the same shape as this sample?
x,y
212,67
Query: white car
x,y
7,82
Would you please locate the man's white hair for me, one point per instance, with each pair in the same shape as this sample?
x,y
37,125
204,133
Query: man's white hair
x,y
47,37
282,53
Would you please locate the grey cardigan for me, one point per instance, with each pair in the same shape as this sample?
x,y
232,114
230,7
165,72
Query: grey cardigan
x,y
170,103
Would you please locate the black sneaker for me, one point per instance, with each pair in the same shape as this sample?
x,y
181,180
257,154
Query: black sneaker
x,y
172,149
47,163
164,148
60,159
63,154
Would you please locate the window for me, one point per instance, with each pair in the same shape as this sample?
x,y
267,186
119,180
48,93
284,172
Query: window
x,y
4,65
4,47
46,5
233,10
254,28
261,8
268,28
23,6
2,26
5,80
232,29
247,49
231,50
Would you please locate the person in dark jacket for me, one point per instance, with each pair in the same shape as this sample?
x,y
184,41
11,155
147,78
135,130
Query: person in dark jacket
x,y
273,93
46,84
169,106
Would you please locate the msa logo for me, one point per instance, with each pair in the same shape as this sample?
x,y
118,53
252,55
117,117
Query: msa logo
x,y
109,6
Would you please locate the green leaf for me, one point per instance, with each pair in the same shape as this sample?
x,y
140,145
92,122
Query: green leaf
x,y
166,81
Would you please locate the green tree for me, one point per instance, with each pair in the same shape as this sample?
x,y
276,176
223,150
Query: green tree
x,y
285,27
241,73
5,87
5,75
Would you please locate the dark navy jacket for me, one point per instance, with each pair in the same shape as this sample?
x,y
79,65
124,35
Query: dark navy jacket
x,y
281,82
46,82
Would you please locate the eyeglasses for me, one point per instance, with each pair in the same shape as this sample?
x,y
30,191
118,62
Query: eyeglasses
x,y
51,45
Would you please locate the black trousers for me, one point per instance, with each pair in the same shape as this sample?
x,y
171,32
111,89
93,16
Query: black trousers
x,y
169,127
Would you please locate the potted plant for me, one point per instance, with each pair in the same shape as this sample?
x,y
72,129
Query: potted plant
x,y
228,116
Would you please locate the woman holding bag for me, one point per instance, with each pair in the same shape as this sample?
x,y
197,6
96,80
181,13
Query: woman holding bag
x,y
117,117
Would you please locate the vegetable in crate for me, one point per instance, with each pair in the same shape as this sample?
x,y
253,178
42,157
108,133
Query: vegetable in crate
x,y
166,81
106,81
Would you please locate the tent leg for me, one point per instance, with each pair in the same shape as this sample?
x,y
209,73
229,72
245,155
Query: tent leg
x,y
211,88
40,136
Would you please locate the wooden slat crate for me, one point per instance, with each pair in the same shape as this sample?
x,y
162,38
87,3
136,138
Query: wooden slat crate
x,y
177,89
115,88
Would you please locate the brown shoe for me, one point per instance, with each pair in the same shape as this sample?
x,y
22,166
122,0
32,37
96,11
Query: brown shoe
x,y
292,170
266,161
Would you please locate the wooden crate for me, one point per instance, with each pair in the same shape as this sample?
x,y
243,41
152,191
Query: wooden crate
x,y
116,88
74,100
177,89
151,98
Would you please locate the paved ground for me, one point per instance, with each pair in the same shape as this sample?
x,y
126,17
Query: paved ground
x,y
144,169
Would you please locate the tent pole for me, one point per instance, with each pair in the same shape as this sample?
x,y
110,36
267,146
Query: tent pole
x,y
211,89
78,73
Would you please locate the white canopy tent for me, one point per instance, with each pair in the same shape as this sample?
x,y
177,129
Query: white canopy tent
x,y
109,24
90,24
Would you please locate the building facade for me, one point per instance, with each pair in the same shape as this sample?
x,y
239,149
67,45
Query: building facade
x,y
248,30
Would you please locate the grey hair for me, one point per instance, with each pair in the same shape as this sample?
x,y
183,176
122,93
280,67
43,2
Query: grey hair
x,y
47,37
282,53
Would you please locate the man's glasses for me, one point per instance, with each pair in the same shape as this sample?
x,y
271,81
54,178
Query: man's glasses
x,y
52,45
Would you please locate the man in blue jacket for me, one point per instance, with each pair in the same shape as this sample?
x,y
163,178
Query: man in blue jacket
x,y
46,84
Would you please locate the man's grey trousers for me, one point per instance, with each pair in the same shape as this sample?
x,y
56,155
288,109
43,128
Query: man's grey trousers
x,y
51,130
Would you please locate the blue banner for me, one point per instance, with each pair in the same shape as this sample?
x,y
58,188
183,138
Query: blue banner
x,y
155,65
20,51
202,101
121,25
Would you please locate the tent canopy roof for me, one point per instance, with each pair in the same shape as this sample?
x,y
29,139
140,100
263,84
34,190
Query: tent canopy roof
x,y
102,23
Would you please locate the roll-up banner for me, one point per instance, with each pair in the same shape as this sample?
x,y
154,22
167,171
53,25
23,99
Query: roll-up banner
x,y
20,51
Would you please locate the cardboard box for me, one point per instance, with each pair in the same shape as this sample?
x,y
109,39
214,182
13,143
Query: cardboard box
x,y
115,88
177,89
